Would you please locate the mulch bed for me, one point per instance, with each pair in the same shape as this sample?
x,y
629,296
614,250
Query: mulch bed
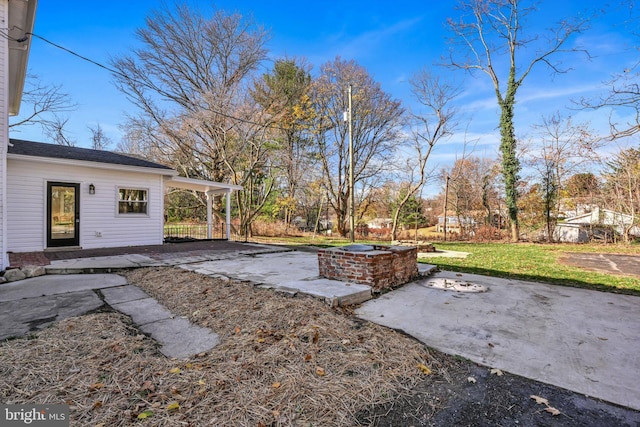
x,y
282,361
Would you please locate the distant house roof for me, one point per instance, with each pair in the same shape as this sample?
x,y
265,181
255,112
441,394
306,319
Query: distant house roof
x,y
39,149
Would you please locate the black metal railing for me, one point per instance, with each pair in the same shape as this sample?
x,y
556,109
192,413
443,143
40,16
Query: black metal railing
x,y
180,231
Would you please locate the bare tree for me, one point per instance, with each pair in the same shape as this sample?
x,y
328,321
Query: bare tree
x,y
471,191
248,156
190,83
487,30
188,79
376,126
569,146
99,140
56,131
135,141
435,123
559,149
622,186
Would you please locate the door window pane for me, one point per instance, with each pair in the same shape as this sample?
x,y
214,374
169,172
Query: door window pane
x,y
63,208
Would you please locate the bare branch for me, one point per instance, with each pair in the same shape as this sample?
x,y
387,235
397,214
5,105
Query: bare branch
x,y
41,104
99,140
55,130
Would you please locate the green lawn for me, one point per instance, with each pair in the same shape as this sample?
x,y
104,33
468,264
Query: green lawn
x,y
536,262
525,261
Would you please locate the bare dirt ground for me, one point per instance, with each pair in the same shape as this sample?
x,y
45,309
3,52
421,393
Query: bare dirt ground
x,y
471,395
282,361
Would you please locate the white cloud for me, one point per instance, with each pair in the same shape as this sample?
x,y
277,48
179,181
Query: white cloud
x,y
545,92
366,42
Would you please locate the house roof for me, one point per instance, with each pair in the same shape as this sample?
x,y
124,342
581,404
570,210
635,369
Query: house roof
x,y
54,151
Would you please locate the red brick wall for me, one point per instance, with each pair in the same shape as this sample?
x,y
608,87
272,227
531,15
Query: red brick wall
x,y
384,267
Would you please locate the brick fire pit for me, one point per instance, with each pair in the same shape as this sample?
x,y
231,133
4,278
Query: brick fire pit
x,y
377,266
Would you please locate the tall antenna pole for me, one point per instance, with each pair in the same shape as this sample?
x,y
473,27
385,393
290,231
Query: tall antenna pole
x,y
352,217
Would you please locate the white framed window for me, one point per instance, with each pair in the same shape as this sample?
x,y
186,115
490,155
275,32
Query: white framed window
x,y
133,201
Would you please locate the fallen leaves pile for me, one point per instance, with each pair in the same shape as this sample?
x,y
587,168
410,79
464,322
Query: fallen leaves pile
x,y
282,361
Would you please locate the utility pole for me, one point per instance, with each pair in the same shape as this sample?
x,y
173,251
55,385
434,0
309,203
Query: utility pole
x,y
352,217
446,202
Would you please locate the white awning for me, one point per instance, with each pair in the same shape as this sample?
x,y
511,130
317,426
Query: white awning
x,y
210,187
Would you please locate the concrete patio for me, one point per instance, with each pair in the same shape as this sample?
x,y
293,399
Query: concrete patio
x,y
582,340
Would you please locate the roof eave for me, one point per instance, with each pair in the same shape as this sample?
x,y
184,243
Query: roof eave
x,y
99,165
21,14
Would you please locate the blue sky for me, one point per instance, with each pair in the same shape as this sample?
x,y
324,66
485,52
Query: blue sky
x,y
392,40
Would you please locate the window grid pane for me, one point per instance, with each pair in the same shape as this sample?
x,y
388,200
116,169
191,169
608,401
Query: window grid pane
x,y
132,201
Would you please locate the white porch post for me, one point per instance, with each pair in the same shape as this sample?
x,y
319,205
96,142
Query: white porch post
x,y
209,215
228,212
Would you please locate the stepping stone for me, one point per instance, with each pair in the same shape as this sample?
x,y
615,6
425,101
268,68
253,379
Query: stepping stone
x,y
177,337
19,317
123,294
180,338
143,311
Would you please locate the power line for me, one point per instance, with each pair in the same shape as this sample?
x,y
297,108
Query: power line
x,y
126,77
78,55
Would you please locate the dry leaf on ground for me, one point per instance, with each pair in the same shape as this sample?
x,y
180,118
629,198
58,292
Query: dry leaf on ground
x,y
553,411
425,369
540,400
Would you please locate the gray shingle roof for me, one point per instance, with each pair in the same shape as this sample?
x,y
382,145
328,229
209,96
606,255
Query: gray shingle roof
x,y
39,149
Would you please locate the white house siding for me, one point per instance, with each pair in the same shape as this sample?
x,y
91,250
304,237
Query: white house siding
x,y
27,210
4,136
570,233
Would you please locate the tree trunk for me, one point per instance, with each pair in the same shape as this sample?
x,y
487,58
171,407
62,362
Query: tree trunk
x,y
510,163
394,225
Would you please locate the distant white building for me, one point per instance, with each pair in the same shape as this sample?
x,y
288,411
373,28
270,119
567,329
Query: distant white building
x,y
455,224
578,228
378,223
